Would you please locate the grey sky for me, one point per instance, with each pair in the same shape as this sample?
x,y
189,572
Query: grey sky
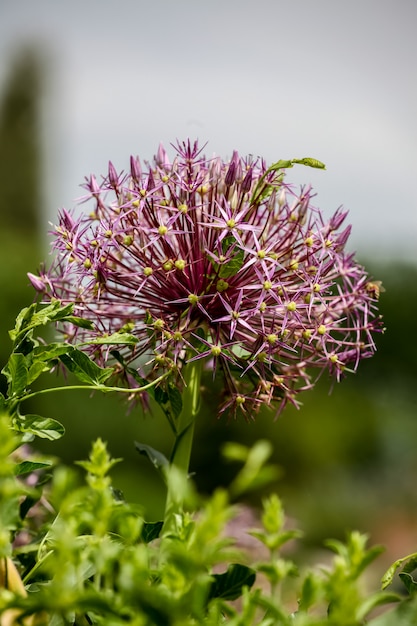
x,y
329,79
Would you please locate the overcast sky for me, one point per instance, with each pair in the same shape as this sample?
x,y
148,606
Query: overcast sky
x,y
330,79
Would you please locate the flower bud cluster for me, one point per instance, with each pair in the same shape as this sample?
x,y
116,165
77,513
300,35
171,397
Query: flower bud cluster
x,y
221,261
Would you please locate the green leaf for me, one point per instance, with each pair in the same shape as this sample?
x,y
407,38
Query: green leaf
x,y
39,314
410,563
310,591
151,531
274,541
404,614
115,338
229,585
170,401
254,473
99,463
263,190
157,459
376,599
175,399
36,369
234,264
79,321
43,427
22,321
16,373
53,312
44,357
51,351
279,165
310,163
27,467
9,511
408,581
79,364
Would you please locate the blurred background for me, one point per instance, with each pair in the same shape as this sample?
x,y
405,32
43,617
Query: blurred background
x,y
86,82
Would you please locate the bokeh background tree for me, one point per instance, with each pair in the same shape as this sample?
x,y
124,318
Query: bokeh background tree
x,y
21,185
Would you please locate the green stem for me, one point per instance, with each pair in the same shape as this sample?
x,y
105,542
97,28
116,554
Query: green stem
x,y
181,452
102,388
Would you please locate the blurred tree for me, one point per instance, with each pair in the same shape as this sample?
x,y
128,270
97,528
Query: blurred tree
x,y
20,145
20,187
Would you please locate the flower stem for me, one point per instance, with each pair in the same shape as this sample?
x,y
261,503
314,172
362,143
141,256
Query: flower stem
x,y
181,452
102,388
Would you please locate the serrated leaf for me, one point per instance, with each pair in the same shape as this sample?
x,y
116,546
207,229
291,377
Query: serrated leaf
x,y
39,314
43,427
84,368
22,320
158,459
229,585
16,373
151,531
54,312
27,467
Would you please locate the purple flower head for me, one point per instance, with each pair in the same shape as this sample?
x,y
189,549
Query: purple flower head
x,y
220,262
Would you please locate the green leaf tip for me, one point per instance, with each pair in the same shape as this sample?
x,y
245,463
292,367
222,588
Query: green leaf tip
x,y
310,163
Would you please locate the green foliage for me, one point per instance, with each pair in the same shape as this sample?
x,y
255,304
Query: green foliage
x,y
30,358
90,557
95,560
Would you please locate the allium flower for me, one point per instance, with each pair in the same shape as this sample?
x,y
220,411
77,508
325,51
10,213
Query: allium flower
x,y
201,259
